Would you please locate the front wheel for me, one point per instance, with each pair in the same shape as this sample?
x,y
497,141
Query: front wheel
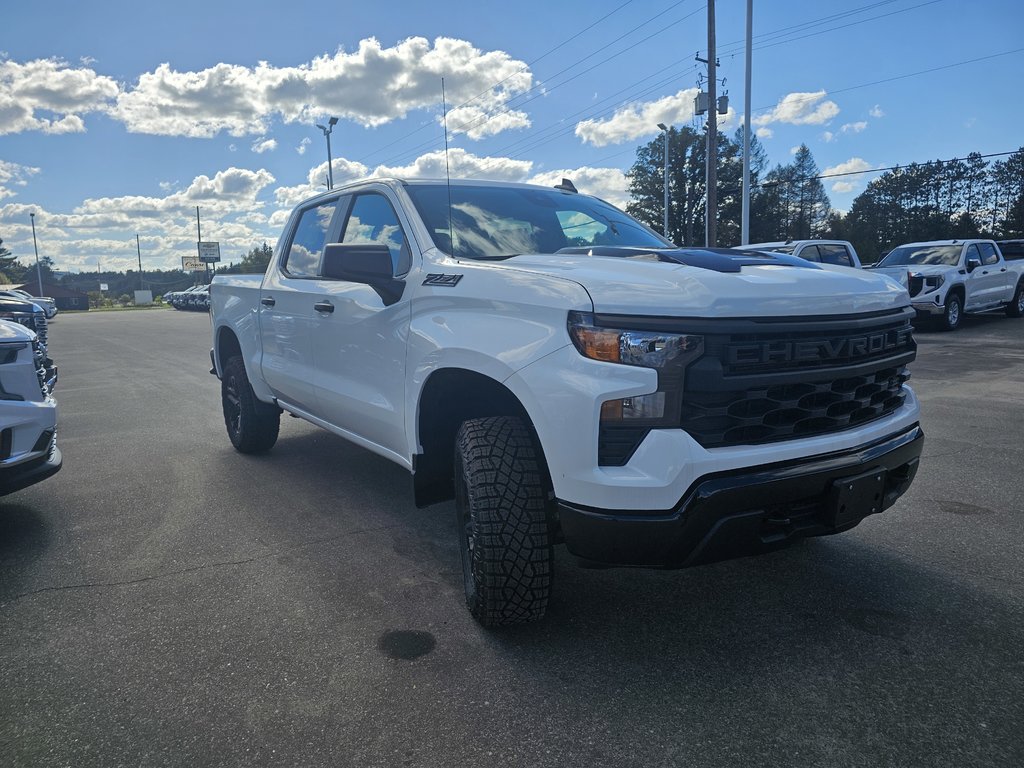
x,y
501,500
252,424
953,313
1016,306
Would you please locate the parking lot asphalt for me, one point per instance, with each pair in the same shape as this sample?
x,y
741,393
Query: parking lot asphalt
x,y
165,600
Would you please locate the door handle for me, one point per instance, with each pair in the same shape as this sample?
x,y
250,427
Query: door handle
x,y
268,301
323,306
1003,269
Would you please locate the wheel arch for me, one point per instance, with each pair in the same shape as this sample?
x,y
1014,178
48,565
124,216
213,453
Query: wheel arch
x,y
449,397
226,347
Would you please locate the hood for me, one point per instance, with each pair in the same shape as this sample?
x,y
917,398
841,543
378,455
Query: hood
x,y
14,332
648,286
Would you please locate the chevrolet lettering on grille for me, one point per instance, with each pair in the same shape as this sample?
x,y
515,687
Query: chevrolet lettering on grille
x,y
819,349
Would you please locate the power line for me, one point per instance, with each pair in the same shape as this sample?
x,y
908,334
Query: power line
x,y
504,79
527,66
814,97
465,127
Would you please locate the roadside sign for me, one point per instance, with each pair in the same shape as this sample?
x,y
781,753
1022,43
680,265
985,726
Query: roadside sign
x,y
192,264
104,287
209,253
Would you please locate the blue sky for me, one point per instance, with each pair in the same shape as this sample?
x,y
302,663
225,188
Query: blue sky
x,y
118,118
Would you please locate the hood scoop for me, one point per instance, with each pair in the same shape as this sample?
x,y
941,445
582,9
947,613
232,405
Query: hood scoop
x,y
715,259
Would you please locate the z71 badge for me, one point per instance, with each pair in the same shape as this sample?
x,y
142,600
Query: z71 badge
x,y
447,281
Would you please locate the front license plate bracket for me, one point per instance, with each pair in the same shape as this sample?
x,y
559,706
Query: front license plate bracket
x,y
853,498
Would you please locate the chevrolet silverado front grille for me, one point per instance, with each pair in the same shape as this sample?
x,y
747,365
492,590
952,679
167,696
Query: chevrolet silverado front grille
x,y
772,381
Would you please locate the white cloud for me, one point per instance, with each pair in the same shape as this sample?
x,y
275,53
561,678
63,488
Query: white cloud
x,y
794,150
607,183
828,136
462,165
764,133
800,108
232,148
477,123
301,149
14,174
876,111
262,145
49,95
370,86
316,181
104,229
849,183
636,120
857,127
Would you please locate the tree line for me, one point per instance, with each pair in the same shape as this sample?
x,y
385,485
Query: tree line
x,y
961,198
13,272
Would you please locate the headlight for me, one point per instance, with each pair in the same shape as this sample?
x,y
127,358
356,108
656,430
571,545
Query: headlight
x,y
648,349
932,282
667,353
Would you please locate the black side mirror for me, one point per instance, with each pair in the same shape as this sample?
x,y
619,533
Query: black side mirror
x,y
369,264
973,262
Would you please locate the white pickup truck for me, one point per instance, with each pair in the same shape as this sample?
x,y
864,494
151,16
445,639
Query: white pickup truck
x,y
946,278
568,376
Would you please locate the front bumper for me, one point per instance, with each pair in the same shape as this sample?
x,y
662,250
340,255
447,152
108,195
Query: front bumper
x,y
19,476
928,308
751,511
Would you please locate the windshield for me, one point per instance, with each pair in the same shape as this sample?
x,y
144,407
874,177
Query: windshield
x,y
499,222
922,254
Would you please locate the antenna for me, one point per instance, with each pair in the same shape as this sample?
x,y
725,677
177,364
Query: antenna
x,y
447,172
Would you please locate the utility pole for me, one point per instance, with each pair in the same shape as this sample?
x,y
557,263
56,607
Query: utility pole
x,y
711,211
199,239
39,271
664,229
138,248
745,210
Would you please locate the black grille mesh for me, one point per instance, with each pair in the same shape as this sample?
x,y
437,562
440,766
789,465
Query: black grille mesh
x,y
767,413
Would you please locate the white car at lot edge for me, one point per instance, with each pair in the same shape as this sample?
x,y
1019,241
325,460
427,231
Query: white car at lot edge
x,y
28,411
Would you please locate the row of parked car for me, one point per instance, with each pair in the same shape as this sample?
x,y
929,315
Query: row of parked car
x,y
196,298
48,305
945,278
28,411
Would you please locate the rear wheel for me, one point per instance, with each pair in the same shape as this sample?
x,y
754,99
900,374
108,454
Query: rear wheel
x,y
252,424
951,317
501,500
1016,306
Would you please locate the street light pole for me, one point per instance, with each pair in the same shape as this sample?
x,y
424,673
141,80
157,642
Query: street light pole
x,y
665,182
745,205
39,271
328,130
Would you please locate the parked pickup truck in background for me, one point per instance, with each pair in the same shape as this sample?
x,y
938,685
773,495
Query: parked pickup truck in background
x,y
838,252
568,376
946,278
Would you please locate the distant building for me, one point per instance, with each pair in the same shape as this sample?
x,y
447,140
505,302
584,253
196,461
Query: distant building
x,y
64,298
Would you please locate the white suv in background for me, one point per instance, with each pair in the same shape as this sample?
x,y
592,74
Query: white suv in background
x,y
838,252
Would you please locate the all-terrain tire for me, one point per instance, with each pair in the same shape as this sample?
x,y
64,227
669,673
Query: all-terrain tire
x,y
501,501
1016,306
252,424
953,313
